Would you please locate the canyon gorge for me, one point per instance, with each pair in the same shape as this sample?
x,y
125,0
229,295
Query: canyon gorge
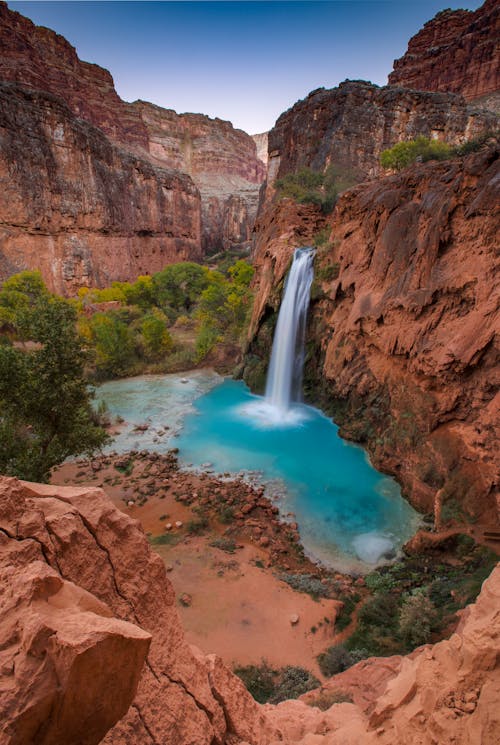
x,y
402,350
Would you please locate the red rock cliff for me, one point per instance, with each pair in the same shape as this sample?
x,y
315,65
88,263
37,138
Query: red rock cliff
x,y
349,126
79,208
457,51
83,600
404,324
221,160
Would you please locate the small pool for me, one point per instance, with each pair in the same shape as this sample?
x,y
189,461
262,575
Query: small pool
x,y
349,514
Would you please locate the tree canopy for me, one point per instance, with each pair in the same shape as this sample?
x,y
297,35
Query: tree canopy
x,y
45,402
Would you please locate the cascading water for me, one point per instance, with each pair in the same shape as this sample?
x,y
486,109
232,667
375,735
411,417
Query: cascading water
x,y
284,380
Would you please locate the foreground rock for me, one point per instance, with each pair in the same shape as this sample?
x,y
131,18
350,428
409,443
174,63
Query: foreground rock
x,y
76,566
70,667
79,578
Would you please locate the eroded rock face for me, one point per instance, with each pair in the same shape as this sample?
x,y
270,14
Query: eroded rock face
x,y
221,160
349,126
79,208
457,51
69,667
78,580
404,323
83,597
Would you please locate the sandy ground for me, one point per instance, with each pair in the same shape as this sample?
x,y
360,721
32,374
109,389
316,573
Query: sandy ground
x,y
238,609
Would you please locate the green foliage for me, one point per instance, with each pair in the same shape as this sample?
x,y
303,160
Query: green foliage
x,y
167,322
155,339
328,273
179,286
292,682
197,526
345,616
45,410
224,544
334,660
417,619
403,154
165,539
258,680
113,344
268,685
311,187
307,583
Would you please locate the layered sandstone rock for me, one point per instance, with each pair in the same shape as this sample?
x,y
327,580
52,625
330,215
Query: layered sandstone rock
x,y
79,208
221,160
404,326
457,51
82,598
349,126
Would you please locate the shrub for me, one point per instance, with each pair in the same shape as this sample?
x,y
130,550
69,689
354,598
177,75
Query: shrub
x,y
311,187
269,685
417,619
195,527
292,683
226,514
307,583
258,680
334,660
403,154
224,544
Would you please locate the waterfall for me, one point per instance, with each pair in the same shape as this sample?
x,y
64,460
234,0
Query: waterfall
x,y
284,379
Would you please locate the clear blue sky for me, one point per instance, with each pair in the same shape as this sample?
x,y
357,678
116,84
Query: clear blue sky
x,y
242,61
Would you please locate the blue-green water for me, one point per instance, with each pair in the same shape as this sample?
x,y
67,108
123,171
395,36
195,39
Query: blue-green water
x,y
348,513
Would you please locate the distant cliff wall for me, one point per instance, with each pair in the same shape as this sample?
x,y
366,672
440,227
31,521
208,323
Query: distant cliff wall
x,y
79,208
221,160
457,51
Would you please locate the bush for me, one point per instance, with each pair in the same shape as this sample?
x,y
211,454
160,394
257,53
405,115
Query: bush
x,y
258,680
311,187
307,583
224,544
269,685
403,154
417,619
195,527
292,683
334,660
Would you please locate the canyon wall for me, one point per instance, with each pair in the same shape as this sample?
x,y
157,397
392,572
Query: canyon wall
x,y
349,126
208,155
81,209
403,344
90,630
457,51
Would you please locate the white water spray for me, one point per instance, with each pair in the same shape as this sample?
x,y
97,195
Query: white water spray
x,y
284,379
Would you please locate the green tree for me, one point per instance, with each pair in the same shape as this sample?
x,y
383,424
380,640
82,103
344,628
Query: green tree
x,y
113,344
156,341
45,410
179,286
403,154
